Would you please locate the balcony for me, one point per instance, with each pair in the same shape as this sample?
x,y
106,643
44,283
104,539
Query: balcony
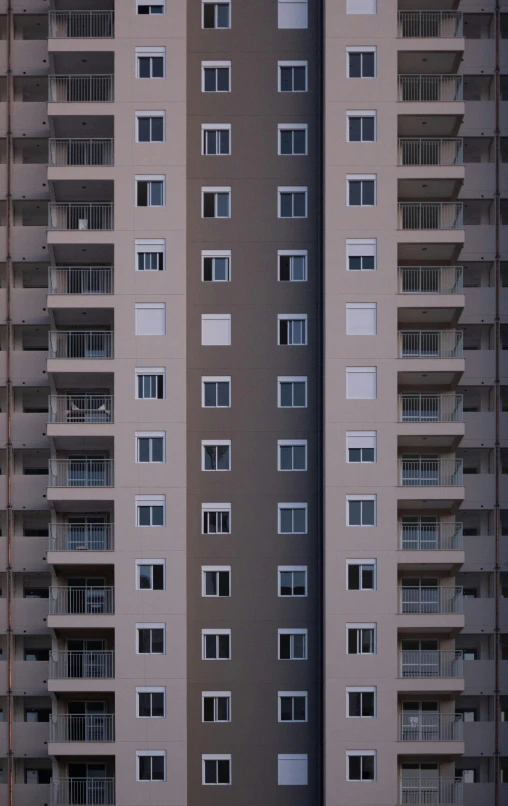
x,y
431,280
430,151
81,216
445,791
80,280
81,24
419,664
99,665
81,409
430,25
430,536
64,152
82,728
430,472
423,727
433,408
434,215
83,791
80,344
430,344
430,88
430,600
81,601
81,472
81,537
80,89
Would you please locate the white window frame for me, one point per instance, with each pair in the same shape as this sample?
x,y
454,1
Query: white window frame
x,y
215,3
140,247
214,694
305,695
222,316
350,753
293,631
361,113
150,114
360,306
362,497
362,626
152,626
281,569
291,317
361,244
214,443
216,757
221,127
352,435
214,64
361,178
216,508
298,505
147,306
293,253
214,379
151,52
150,435
215,190
150,690
361,690
370,371
212,253
292,443
216,632
361,49
150,562
157,371
293,757
149,178
214,569
293,63
151,753
284,127
361,563
150,3
293,190
291,379
151,501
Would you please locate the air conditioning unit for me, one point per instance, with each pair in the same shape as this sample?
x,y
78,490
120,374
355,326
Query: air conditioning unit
x,y
82,223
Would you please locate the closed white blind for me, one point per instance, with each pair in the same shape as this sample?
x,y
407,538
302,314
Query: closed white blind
x,y
216,330
292,14
292,770
361,439
361,6
361,248
361,318
150,319
361,383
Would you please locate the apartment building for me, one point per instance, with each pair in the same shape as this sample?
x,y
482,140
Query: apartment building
x,y
253,402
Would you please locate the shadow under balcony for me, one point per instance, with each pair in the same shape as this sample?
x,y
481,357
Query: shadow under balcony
x,y
81,734
430,671
435,546
81,207
427,790
81,607
430,734
68,82
430,608
79,541
81,671
83,24
80,415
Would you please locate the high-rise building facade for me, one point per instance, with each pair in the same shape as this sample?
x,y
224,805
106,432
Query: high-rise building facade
x,y
253,314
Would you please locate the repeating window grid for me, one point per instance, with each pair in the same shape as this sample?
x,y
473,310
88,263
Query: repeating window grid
x,y
292,644
150,448
216,706
292,581
292,139
216,139
216,266
292,76
216,392
292,519
151,702
292,330
292,202
216,455
150,384
361,62
216,770
292,455
361,575
292,392
216,14
293,706
361,765
151,639
361,126
150,127
216,76
216,519
216,202
151,765
292,265
361,702
150,574
361,639
215,581
216,644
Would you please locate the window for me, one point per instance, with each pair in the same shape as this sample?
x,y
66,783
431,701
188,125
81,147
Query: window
x,y
292,139
150,254
361,383
216,76
216,706
292,706
150,318
151,765
37,714
151,639
216,15
292,580
292,265
361,318
361,191
216,139
216,770
150,62
292,519
361,6
150,383
361,765
292,393
292,454
293,76
292,14
361,510
216,455
361,639
361,702
150,510
361,254
292,644
150,8
216,519
292,329
361,446
361,127
216,644
150,447
36,654
216,329
292,769
150,191
150,575
469,654
151,703
150,127
292,202
216,580
361,575
216,392
361,62
216,202
34,776
216,266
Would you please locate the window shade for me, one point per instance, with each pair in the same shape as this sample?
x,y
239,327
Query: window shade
x,y
361,318
292,770
292,14
361,383
150,319
216,329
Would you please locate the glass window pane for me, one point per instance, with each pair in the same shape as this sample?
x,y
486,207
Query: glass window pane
x,y
157,768
299,583
223,393
210,646
157,67
224,141
299,455
144,516
286,457
210,458
299,141
223,15
355,65
157,449
223,79
300,710
221,268
298,267
299,205
353,577
368,703
210,142
368,513
223,646
285,647
157,516
286,583
145,577
299,78
144,67
144,130
286,79
210,771
208,709
355,129
210,394
208,15
157,129
368,768
157,641
210,79
286,521
144,704
286,709
355,700
223,709
299,517
158,577
145,768
354,768
156,194
211,583
368,192
368,129
143,449
368,65
223,457
355,193
286,142
286,394
223,205
299,646
223,771
142,194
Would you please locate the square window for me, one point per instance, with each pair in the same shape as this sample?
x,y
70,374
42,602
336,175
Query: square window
x,y
361,318
292,266
150,448
361,191
151,639
361,254
292,769
151,765
292,580
150,127
292,202
216,266
361,765
150,510
151,703
150,62
361,575
216,140
292,644
216,76
361,127
150,8
292,139
361,446
150,318
216,456
292,14
216,519
292,519
216,329
150,384
216,392
292,454
216,644
216,706
361,62
361,702
216,202
150,575
216,770
292,330
216,15
361,639
361,511
150,192
216,581
293,706
292,393
293,76
361,383
150,254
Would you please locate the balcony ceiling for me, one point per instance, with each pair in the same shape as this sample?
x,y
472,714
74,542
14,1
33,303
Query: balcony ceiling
x,y
78,190
82,254
79,126
98,63
420,381
435,254
427,315
417,5
69,318
428,61
429,126
428,189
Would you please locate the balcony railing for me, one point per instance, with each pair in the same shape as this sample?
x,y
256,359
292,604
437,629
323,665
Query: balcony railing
x,y
83,791
430,600
80,280
80,472
81,24
430,344
426,87
81,536
420,408
431,280
431,151
81,89
430,472
430,24
431,215
81,152
430,664
424,791
82,728
81,409
81,601
80,344
426,727
80,216
97,665
430,536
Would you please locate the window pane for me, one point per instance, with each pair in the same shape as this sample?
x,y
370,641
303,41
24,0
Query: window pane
x,y
355,263
223,15
298,266
299,78
223,771
157,129
143,449
223,393
210,142
221,268
286,79
368,192
156,194
355,193
143,641
144,516
299,141
284,268
352,641
210,646
355,65
157,449
157,67
368,65
368,578
299,517
210,771
144,66
158,704
355,700
368,129
210,79
355,513
158,577
299,646
157,768
145,768
210,458
367,454
286,521
285,647
368,703
207,264
223,457
223,709
223,205
355,454
355,129
223,646
286,142
210,394
208,15
354,577
286,709
368,513
299,705
286,394
299,205
223,79
286,583
144,130
210,583
367,637
299,454
223,142
144,704
208,709
286,457
157,516
368,263
223,583
354,768
299,583
145,577
142,194
368,768
158,641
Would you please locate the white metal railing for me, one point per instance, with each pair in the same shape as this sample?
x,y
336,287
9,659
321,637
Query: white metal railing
x,y
81,24
431,215
425,408
82,665
81,152
427,727
431,279
80,344
430,536
80,89
81,601
427,790
82,728
431,600
80,280
430,472
81,536
427,87
431,151
430,663
80,216
430,344
425,24
81,409
80,472
83,791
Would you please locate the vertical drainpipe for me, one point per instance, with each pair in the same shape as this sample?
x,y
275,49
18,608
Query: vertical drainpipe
x,y
497,512
10,637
